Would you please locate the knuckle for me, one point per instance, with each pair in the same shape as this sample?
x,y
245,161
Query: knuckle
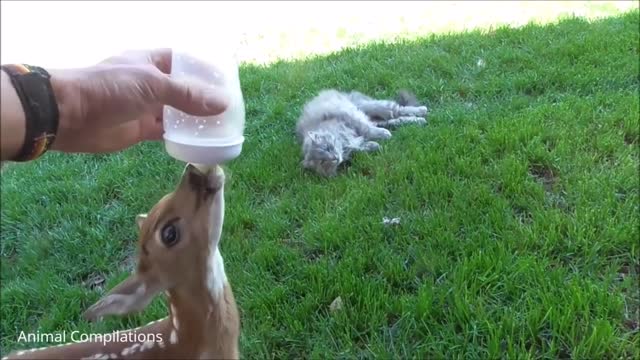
x,y
148,71
188,94
150,84
150,75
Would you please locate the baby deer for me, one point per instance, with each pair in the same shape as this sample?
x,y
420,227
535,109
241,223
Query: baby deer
x,y
178,255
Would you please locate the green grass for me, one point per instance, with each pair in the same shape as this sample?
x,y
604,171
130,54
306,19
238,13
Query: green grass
x,y
518,204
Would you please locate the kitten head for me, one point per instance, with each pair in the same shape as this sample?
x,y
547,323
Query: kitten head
x,y
322,153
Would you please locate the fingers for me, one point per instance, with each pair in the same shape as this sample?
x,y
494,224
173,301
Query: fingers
x,y
110,139
160,58
154,132
192,98
102,140
151,128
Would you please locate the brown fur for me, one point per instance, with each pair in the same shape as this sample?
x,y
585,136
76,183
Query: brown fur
x,y
208,323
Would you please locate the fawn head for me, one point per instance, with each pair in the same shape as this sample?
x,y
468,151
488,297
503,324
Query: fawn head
x,y
175,239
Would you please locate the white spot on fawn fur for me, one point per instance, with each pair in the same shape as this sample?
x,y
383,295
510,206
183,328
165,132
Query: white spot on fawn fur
x,y
98,356
216,275
174,317
130,350
146,345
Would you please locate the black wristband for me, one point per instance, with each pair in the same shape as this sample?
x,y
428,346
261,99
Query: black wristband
x,y
33,87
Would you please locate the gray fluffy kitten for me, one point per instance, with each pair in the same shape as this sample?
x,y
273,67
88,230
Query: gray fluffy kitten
x,y
335,124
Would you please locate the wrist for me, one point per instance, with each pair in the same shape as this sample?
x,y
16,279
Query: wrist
x,y
40,106
67,99
13,120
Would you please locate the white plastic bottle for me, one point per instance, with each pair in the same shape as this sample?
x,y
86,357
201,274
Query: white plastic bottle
x,y
206,140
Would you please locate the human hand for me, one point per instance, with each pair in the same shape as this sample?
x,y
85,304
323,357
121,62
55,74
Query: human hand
x,y
119,102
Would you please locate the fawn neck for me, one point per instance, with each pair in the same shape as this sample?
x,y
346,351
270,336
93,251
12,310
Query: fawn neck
x,y
206,303
199,303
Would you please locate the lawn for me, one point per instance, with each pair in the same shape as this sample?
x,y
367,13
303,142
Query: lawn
x,y
518,204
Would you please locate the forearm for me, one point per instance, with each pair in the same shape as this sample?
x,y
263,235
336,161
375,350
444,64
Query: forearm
x,y
12,127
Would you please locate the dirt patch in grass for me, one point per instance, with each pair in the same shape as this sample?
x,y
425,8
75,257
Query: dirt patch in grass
x,y
94,282
522,214
129,262
630,139
313,255
544,174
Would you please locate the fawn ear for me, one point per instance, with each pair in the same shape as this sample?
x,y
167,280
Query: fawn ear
x,y
140,220
131,295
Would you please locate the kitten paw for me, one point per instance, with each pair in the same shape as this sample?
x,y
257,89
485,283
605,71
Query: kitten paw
x,y
384,133
371,146
421,111
390,115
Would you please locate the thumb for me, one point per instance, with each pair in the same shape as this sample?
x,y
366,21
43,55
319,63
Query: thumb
x,y
192,98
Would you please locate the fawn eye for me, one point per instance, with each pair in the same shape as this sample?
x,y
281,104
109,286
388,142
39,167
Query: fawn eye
x,y
170,235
